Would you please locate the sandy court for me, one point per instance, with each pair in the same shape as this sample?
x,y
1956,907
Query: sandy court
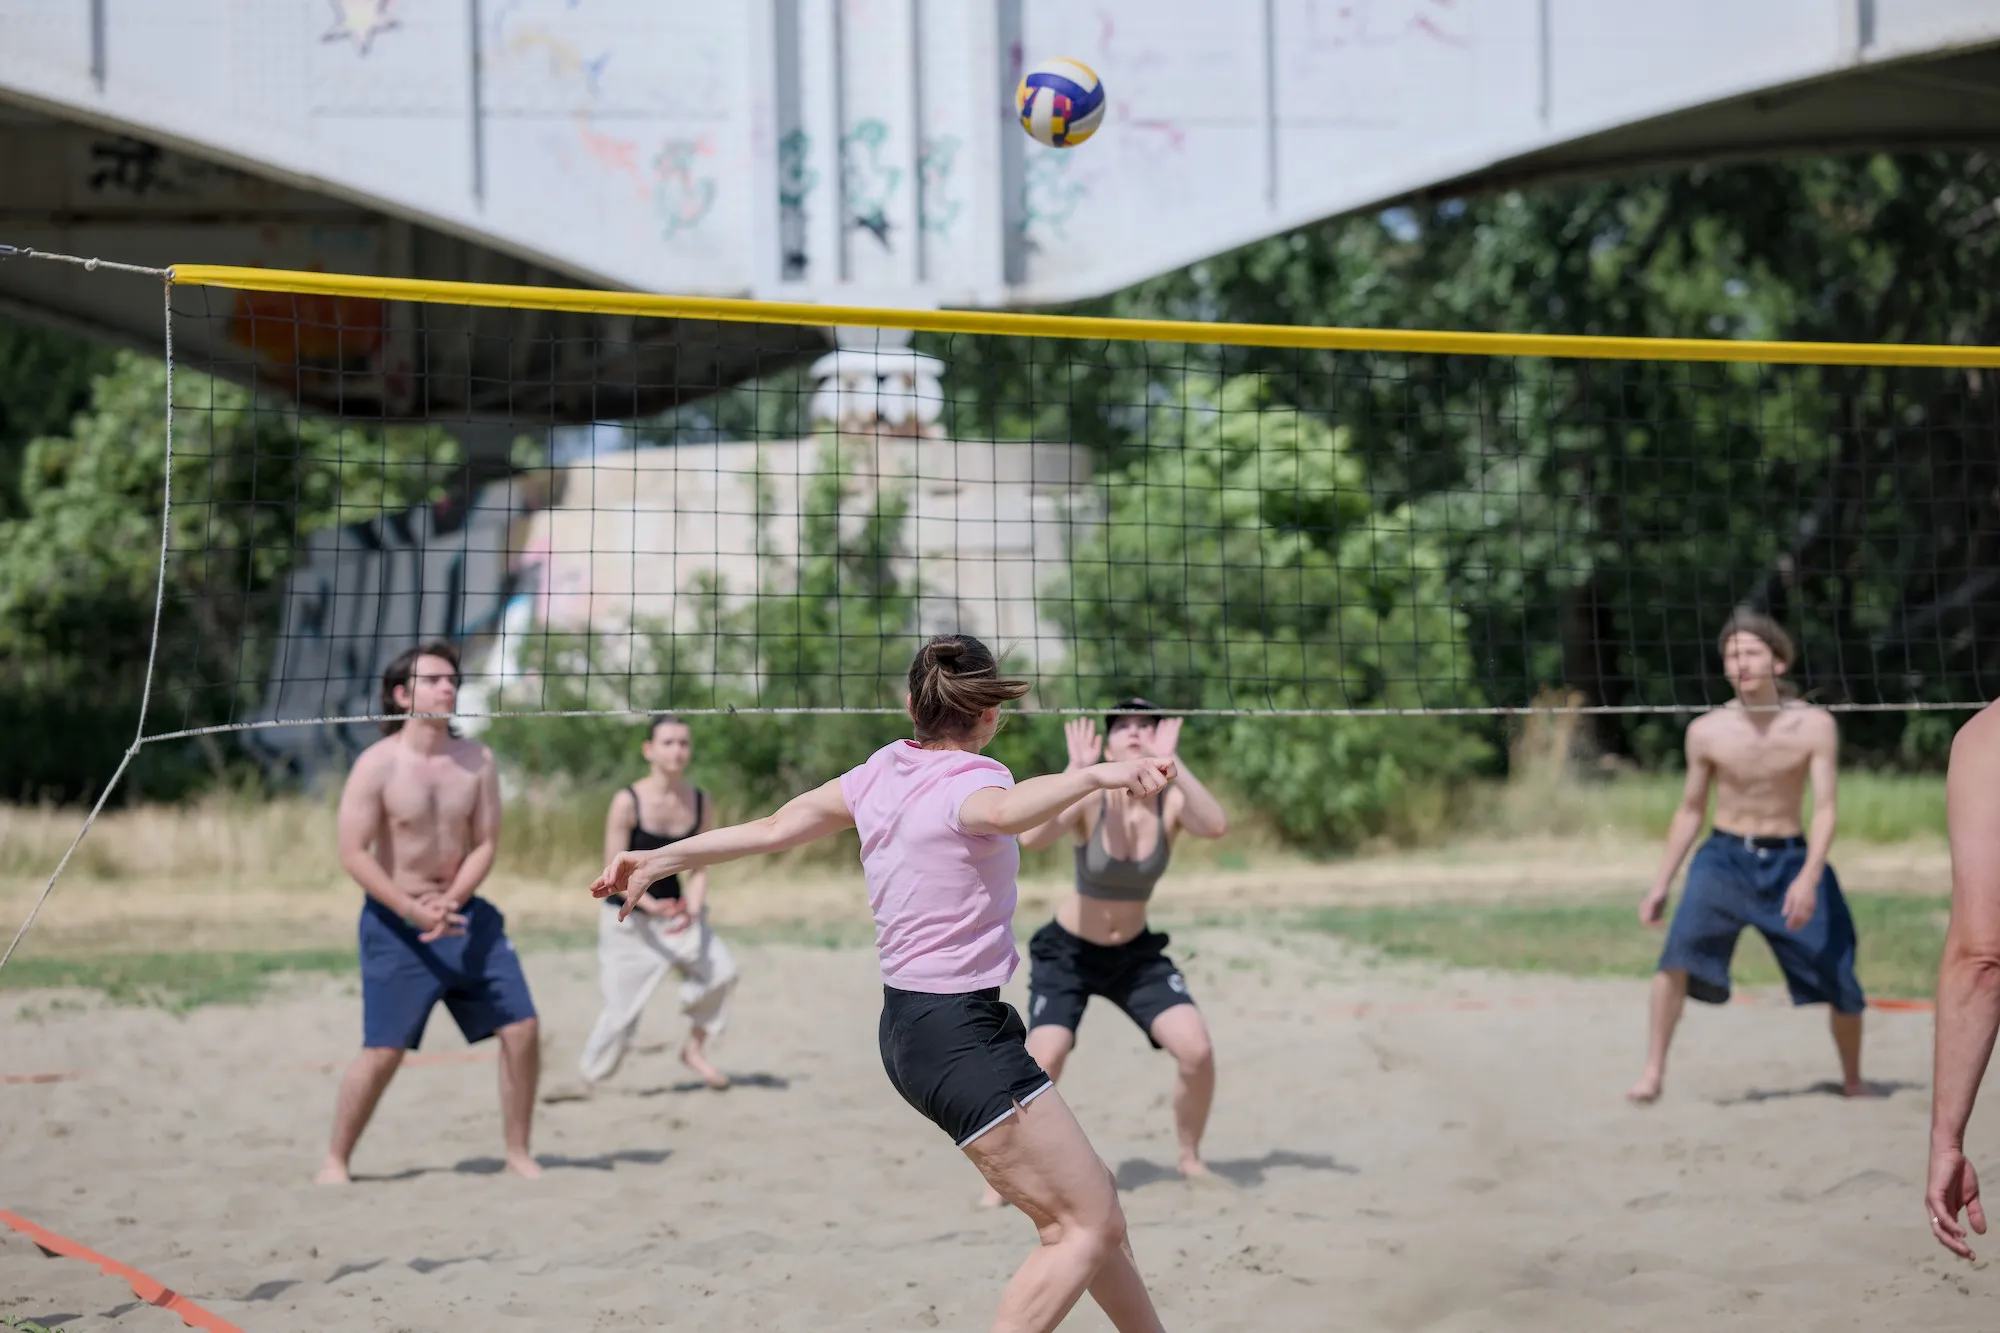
x,y
1410,1150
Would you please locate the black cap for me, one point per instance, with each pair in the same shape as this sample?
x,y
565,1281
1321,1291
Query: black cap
x,y
1133,707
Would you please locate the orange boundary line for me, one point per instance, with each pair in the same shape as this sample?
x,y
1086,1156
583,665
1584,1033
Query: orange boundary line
x,y
55,1076
145,1288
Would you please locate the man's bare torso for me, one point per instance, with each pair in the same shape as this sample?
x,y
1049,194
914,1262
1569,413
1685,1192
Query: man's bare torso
x,y
1760,761
429,808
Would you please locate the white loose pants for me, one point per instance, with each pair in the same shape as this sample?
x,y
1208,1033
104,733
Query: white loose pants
x,y
633,958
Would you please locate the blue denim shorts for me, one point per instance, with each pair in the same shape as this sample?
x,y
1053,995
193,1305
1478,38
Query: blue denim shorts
x,y
1733,883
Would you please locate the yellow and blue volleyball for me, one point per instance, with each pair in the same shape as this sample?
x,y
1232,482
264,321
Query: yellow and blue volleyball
x,y
1061,103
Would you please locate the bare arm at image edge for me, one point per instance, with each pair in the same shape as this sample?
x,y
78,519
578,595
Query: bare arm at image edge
x,y
1968,989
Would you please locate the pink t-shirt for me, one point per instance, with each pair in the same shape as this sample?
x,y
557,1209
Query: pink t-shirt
x,y
943,898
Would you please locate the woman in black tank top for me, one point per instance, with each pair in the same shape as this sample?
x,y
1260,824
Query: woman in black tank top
x,y
669,933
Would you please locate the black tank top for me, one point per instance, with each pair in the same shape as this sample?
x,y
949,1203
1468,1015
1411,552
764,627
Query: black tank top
x,y
644,839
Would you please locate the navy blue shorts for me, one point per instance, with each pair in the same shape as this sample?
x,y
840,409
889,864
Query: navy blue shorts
x,y
1731,885
477,975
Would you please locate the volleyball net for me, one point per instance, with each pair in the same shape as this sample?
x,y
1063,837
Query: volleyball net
x,y
616,504
622,503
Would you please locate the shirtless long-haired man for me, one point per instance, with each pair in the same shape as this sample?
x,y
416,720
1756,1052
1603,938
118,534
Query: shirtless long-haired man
x,y
419,827
1759,867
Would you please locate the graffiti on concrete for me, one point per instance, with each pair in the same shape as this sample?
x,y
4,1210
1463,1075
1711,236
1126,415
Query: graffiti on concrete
x,y
683,190
941,207
870,181
363,592
796,182
1050,197
128,166
360,22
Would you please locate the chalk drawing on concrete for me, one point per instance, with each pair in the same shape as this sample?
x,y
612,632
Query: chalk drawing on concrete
x,y
361,22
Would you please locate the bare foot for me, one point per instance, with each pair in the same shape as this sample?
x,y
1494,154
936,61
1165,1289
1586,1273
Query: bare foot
x,y
1195,1172
1860,1089
524,1166
692,1057
991,1199
333,1173
1645,1092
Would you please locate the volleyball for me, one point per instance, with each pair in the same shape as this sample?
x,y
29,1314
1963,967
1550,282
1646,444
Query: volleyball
x,y
1061,103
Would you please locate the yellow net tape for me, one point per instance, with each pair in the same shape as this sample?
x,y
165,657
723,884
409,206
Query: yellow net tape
x,y
1012,324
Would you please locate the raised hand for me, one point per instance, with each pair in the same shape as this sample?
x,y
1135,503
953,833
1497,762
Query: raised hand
x,y
1085,745
1166,738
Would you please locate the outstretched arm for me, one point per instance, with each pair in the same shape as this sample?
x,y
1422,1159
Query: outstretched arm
x,y
1968,988
1019,808
801,820
1688,819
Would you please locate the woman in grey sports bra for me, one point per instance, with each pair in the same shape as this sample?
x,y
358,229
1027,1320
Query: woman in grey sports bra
x,y
1099,943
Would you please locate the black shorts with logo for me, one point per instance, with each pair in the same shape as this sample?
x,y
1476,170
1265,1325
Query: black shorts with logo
x,y
962,1060
1065,970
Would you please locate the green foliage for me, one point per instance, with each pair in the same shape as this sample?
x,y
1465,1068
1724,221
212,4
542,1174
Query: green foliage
x,y
1598,519
176,982
44,381
79,567
1900,938
1241,563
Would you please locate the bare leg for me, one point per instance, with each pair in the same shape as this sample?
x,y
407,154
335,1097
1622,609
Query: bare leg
x,y
1040,1161
361,1088
1181,1031
520,1068
1847,1040
1669,996
694,1058
1050,1045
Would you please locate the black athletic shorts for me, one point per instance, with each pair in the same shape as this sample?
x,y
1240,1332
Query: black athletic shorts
x,y
1065,970
962,1060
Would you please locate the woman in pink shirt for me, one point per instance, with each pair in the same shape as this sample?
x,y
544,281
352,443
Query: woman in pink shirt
x,y
937,823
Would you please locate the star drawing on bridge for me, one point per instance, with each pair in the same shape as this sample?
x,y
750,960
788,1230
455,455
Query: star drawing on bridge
x,y
360,22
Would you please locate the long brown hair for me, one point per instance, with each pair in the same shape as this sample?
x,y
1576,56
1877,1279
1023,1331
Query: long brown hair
x,y
953,680
397,674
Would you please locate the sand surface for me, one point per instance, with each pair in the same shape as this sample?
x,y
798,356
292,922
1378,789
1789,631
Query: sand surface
x,y
1409,1149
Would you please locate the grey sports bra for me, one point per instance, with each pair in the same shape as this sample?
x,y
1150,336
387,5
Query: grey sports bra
x,y
1099,874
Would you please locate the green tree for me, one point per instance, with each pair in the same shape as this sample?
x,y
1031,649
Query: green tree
x,y
44,381
80,567
1241,563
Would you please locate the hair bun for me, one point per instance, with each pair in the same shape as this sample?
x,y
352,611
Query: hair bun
x,y
947,650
